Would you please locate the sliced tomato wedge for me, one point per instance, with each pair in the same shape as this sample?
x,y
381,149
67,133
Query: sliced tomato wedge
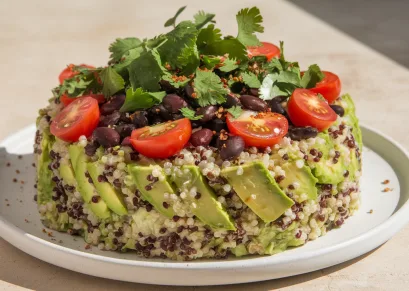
x,y
266,49
162,140
70,72
80,117
68,100
329,87
258,129
305,108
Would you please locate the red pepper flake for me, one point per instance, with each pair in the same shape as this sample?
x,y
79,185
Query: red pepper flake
x,y
385,182
87,246
15,180
50,234
8,164
8,204
20,157
17,172
22,182
26,220
6,200
387,189
370,211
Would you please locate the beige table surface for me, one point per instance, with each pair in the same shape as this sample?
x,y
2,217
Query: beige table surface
x,y
38,38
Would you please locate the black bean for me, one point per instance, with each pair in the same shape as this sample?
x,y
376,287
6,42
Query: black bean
x,y
160,110
253,103
173,103
279,99
231,148
338,110
299,133
106,137
125,130
140,119
202,137
217,125
112,119
189,90
113,105
276,107
166,86
195,123
125,118
253,92
208,112
231,101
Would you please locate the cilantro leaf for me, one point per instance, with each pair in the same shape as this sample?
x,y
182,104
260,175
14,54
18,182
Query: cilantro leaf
x,y
235,111
122,46
85,82
140,99
172,21
112,81
189,113
146,71
273,66
311,77
122,67
279,84
249,22
210,62
228,65
180,45
188,59
228,46
208,36
209,88
202,18
176,81
251,80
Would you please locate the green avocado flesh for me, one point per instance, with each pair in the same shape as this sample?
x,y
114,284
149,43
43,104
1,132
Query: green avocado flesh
x,y
45,184
258,190
86,189
155,195
113,199
206,207
305,180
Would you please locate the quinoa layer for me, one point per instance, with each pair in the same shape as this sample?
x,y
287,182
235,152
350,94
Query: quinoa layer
x,y
184,237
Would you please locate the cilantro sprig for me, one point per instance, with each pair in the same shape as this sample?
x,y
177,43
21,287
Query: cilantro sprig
x,y
193,53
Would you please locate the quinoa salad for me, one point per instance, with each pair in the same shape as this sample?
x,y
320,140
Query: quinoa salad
x,y
195,145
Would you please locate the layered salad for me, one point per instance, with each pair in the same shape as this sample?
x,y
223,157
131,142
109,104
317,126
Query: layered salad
x,y
194,145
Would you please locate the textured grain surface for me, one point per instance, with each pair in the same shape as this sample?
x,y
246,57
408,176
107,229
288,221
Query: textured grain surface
x,y
39,38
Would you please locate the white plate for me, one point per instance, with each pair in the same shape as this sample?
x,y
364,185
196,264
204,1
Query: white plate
x,y
383,159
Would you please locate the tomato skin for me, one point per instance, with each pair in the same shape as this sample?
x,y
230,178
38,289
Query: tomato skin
x,y
305,108
172,138
329,87
69,72
275,128
81,115
266,49
67,100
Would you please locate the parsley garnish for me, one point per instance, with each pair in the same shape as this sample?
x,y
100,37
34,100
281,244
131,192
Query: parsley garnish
x,y
251,80
202,18
191,114
113,82
123,45
235,111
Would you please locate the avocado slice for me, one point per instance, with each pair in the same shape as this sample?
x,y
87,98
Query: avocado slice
x,y
325,170
86,189
258,190
113,198
155,196
207,208
67,173
351,119
45,183
304,178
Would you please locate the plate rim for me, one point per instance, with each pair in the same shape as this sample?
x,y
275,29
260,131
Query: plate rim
x,y
399,219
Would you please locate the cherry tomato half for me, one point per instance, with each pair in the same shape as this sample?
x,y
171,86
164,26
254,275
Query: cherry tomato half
x,y
329,87
162,140
305,108
266,49
258,129
69,72
67,100
80,117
